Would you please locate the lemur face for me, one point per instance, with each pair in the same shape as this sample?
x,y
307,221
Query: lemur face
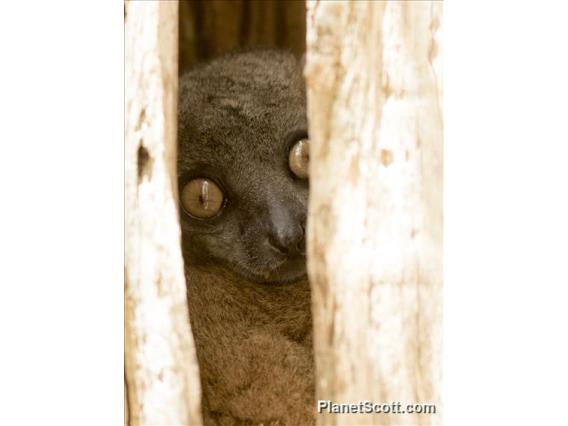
x,y
243,155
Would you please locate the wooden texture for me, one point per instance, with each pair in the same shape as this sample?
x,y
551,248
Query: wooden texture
x,y
375,216
209,28
162,382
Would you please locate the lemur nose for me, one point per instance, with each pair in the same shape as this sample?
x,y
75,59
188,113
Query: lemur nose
x,y
288,238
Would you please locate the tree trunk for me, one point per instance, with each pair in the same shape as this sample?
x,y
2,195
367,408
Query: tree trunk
x,y
161,372
375,216
209,28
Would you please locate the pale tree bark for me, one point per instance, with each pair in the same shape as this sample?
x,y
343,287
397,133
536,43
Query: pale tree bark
x,y
162,382
375,216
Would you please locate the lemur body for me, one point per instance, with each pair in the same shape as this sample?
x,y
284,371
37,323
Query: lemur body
x,y
242,164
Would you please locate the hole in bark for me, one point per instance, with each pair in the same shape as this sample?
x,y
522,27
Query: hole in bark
x,y
386,157
144,163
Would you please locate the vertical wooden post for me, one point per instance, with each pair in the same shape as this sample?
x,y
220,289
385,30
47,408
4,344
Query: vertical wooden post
x,y
161,376
375,217
209,28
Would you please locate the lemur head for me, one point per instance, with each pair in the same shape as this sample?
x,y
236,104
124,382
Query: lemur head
x,y
243,165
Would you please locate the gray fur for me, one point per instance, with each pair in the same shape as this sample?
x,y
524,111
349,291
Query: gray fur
x,y
248,295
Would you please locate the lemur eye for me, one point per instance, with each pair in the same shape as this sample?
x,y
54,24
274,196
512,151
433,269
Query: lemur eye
x,y
201,198
299,159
